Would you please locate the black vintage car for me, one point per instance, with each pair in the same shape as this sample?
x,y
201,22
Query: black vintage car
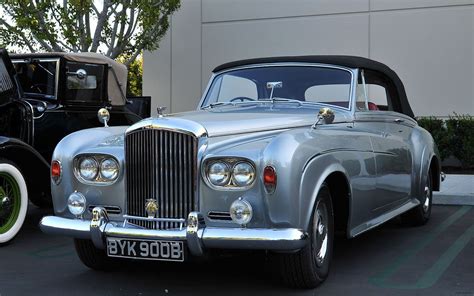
x,y
43,98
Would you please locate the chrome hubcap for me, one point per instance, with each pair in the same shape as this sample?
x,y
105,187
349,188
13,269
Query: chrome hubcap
x,y
320,237
426,204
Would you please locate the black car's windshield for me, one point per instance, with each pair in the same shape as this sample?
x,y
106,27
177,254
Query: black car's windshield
x,y
37,78
281,83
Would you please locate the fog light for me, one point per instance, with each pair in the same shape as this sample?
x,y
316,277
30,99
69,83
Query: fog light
x,y
241,211
76,203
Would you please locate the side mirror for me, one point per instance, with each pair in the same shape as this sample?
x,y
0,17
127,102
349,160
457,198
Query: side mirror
x,y
326,115
104,116
80,74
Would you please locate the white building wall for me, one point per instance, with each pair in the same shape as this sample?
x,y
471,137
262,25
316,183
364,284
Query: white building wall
x,y
429,43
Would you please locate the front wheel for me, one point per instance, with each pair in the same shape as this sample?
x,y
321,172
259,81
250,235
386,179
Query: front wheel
x,y
309,267
13,201
92,257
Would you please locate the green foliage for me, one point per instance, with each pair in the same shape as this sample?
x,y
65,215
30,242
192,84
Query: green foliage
x,y
112,27
461,131
438,130
454,136
135,76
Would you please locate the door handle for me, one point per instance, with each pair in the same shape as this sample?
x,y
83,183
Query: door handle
x,y
398,120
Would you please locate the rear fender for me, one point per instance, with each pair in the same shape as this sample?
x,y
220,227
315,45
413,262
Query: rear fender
x,y
32,165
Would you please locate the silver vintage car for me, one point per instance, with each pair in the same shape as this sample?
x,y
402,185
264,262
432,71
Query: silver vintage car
x,y
281,153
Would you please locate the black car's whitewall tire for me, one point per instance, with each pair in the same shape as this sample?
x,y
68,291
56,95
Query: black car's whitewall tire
x,y
13,201
309,267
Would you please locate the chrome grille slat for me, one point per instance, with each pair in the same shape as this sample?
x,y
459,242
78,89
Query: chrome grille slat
x,y
160,164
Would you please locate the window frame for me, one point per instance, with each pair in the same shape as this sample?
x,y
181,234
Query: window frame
x,y
353,72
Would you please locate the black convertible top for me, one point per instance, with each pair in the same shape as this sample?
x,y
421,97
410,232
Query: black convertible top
x,y
340,60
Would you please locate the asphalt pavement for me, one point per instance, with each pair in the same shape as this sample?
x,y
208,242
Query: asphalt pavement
x,y
435,259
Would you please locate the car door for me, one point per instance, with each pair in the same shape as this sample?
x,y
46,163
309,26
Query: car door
x,y
389,134
16,119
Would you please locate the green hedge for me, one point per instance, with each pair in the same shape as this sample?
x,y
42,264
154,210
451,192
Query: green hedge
x,y
454,136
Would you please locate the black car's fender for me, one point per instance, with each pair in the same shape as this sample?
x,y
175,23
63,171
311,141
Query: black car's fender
x,y
34,168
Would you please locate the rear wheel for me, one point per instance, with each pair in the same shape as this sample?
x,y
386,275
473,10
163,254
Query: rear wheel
x,y
13,201
309,267
91,256
421,214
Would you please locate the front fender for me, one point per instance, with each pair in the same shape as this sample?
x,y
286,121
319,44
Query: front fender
x,y
97,140
314,175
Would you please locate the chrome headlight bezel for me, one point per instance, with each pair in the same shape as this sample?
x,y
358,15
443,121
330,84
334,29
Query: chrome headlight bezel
x,y
99,179
93,167
231,163
115,170
226,172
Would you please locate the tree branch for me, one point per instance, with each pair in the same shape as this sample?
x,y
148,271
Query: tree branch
x,y
22,35
101,19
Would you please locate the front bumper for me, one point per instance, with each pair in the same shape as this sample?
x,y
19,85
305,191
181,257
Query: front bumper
x,y
196,234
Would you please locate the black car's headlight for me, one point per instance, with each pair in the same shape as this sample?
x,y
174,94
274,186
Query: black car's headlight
x,y
231,173
96,169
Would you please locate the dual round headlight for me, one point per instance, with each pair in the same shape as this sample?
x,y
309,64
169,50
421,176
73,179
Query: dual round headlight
x,y
91,169
239,174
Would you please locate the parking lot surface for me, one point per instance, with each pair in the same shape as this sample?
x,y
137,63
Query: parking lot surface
x,y
436,259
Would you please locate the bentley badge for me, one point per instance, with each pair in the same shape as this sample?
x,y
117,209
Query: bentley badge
x,y
151,207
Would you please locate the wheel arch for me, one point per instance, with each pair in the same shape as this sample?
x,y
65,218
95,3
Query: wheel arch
x,y
336,178
435,168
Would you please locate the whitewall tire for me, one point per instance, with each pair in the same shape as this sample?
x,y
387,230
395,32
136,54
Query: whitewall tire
x,y
13,201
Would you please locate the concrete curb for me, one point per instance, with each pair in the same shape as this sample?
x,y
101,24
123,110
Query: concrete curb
x,y
453,199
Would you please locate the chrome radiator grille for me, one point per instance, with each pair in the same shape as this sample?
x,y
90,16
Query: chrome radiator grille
x,y
160,165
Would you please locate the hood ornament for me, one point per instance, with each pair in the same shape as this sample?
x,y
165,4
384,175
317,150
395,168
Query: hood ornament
x,y
151,207
104,116
161,111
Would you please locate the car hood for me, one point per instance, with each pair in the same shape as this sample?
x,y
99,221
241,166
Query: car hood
x,y
224,121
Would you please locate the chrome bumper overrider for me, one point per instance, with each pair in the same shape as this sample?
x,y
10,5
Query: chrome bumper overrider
x,y
195,233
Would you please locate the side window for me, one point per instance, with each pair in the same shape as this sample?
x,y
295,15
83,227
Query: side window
x,y
371,93
233,87
335,94
85,82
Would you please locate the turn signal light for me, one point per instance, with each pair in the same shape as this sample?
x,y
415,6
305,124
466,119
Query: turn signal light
x,y
269,179
56,171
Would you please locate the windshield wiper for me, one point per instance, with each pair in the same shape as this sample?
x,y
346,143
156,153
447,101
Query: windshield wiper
x,y
212,105
276,99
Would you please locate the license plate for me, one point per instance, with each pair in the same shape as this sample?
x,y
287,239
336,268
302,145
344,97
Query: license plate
x,y
145,249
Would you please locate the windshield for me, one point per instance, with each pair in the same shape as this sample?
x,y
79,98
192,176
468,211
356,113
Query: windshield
x,y
37,78
302,83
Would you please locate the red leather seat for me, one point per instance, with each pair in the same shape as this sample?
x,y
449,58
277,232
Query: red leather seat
x,y
372,106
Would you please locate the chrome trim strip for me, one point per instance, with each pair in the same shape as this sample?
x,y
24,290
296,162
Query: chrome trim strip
x,y
173,124
65,227
246,238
